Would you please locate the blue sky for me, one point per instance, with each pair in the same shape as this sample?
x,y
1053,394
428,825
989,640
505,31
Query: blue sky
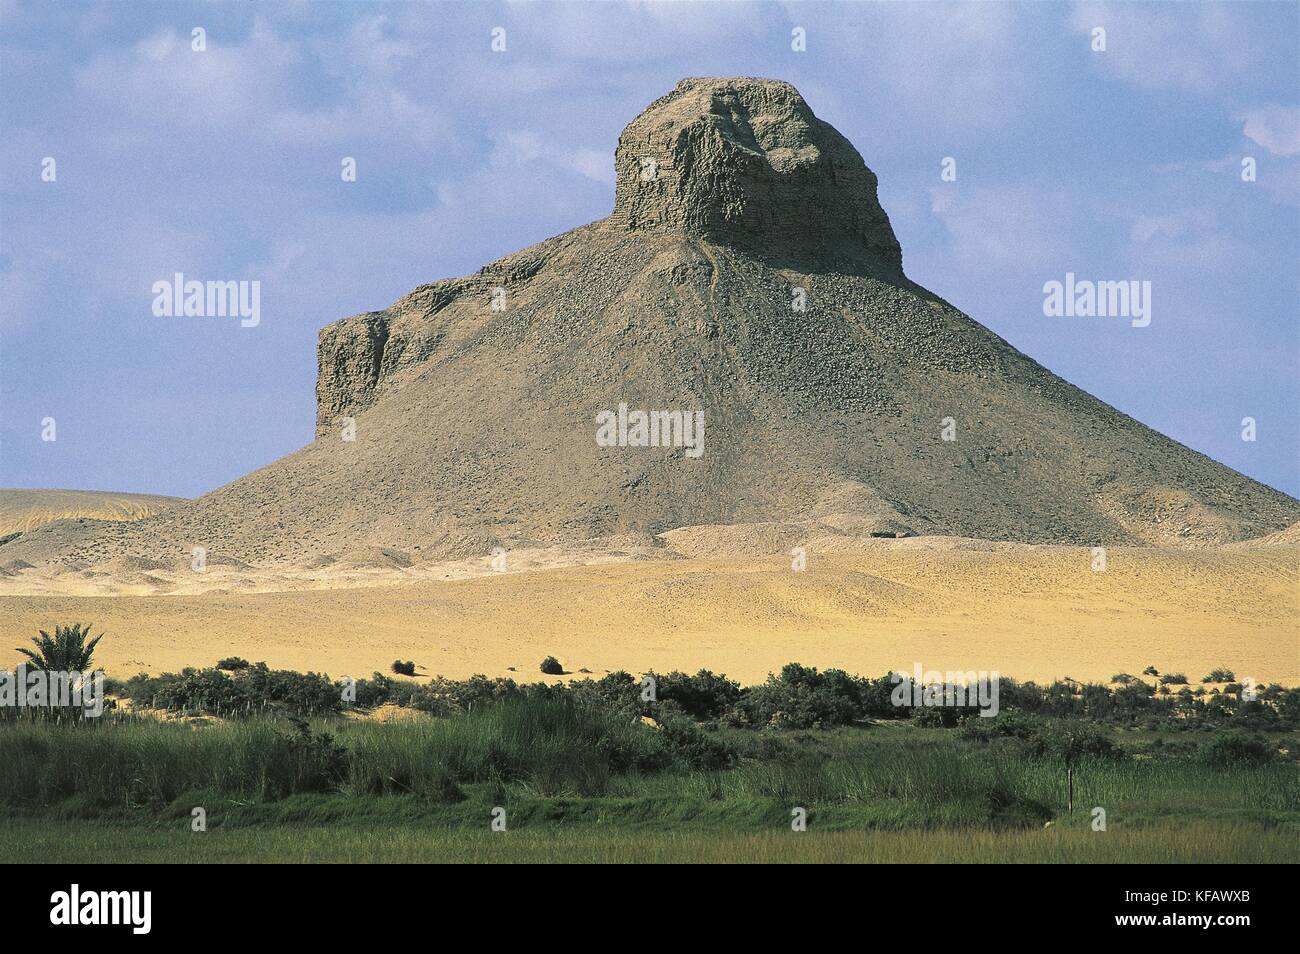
x,y
225,165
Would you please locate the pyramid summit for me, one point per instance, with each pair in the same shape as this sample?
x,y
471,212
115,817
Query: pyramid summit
x,y
745,161
746,282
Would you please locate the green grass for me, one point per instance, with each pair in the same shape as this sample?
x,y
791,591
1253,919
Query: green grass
x,y
30,841
579,783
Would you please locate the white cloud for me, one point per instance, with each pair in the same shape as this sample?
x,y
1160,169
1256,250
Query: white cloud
x,y
1276,128
1198,165
529,148
1003,228
956,64
1146,227
1191,47
517,148
594,164
257,88
1182,241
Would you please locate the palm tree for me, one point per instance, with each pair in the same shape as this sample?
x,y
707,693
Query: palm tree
x,y
65,651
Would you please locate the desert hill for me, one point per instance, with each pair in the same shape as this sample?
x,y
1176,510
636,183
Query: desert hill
x,y
25,510
1286,537
464,417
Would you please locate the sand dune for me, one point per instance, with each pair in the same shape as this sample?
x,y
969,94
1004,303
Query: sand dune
x,y
1037,612
24,510
1289,537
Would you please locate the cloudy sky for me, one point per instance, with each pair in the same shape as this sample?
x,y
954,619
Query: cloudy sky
x,y
224,164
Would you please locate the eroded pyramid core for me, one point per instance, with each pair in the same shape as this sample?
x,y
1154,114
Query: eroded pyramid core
x,y
747,274
745,161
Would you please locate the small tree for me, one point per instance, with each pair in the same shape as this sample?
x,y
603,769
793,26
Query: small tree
x,y
1071,742
65,651
68,652
551,666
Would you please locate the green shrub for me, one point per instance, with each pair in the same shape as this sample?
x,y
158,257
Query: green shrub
x,y
245,691
1007,724
552,667
798,697
380,690
1236,749
1068,741
696,748
404,668
617,692
443,696
801,697
702,696
320,755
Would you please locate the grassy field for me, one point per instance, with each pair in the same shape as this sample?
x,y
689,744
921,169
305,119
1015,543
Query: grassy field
x,y
581,784
80,841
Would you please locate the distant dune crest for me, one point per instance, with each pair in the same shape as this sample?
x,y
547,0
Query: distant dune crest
x,y
25,510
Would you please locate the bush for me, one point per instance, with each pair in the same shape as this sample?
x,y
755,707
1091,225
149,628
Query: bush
x,y
1173,679
449,696
551,666
232,664
618,693
934,717
803,698
319,754
1236,749
1220,674
702,696
799,697
1072,741
1004,725
1067,741
257,687
695,747
379,690
404,668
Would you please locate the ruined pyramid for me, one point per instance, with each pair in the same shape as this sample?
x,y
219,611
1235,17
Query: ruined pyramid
x,y
747,273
